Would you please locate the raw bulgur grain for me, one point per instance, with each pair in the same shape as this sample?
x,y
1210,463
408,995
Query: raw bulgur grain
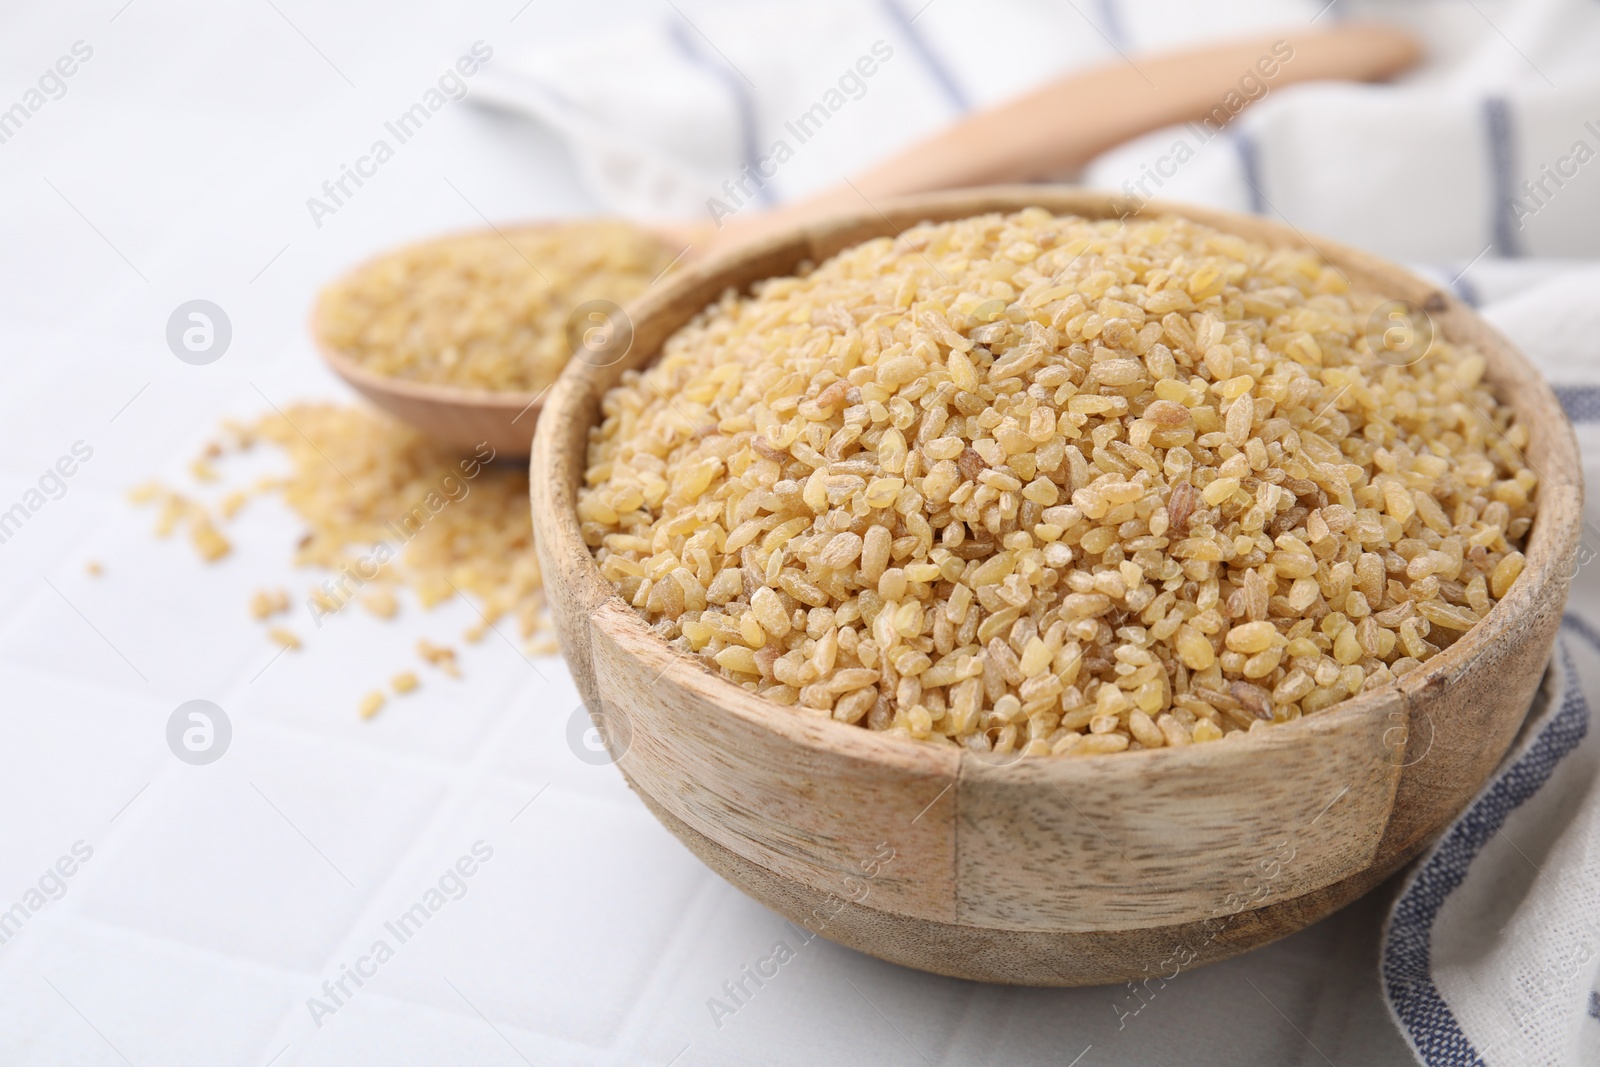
x,y
476,537
358,478
486,311
465,522
1054,485
208,540
440,656
265,604
381,602
285,637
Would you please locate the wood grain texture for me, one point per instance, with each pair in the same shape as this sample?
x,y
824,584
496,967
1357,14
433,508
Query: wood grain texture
x,y
1154,954
1094,844
459,418
1050,871
780,793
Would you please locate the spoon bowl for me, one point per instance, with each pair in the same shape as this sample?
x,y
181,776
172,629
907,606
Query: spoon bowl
x,y
465,416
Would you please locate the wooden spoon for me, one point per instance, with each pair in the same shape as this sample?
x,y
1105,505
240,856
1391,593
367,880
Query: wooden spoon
x,y
1049,132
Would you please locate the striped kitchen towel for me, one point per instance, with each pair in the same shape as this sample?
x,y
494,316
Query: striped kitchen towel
x,y
1492,952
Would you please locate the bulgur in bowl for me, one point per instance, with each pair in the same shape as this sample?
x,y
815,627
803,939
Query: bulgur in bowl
x,y
1116,572
461,335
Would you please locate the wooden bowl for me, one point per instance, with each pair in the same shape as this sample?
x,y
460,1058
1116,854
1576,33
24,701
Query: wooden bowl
x,y
1053,871
460,418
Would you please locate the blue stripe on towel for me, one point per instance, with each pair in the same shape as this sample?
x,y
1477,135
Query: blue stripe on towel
x,y
1502,175
739,89
1249,152
1111,23
1580,402
1577,625
1466,290
1453,277
942,74
1427,1020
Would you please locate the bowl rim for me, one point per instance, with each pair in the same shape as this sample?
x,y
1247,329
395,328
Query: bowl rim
x,y
555,517
364,380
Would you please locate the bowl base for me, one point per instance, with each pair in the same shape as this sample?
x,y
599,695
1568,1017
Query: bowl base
x,y
1014,957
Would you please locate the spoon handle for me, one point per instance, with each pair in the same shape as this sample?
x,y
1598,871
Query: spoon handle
x,y
1060,126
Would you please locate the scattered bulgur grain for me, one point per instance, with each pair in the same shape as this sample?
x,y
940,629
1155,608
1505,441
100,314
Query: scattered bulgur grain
x,y
1049,485
381,602
486,311
267,603
440,656
93,568
404,682
208,541
147,492
447,523
285,637
237,437
174,509
372,703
